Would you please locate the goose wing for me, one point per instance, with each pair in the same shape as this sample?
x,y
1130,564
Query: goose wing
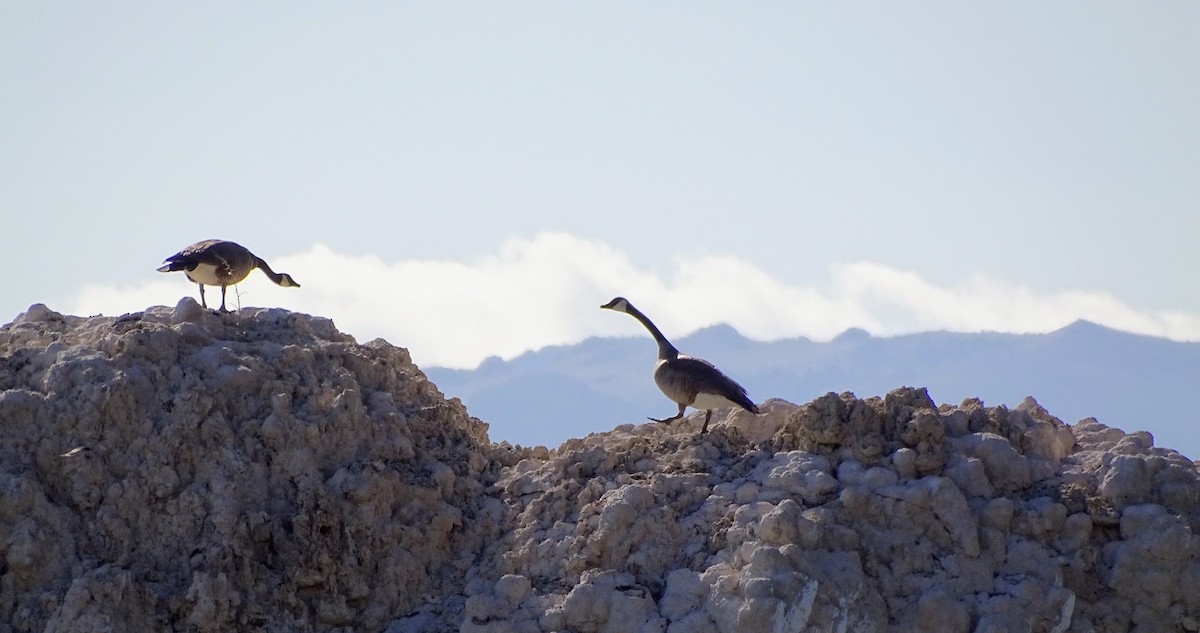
x,y
191,252
708,379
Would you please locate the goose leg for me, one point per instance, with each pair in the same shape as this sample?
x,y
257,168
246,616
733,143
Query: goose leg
x,y
707,416
223,300
672,418
203,303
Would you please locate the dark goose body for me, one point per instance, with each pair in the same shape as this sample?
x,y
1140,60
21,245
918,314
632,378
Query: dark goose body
x,y
220,263
686,380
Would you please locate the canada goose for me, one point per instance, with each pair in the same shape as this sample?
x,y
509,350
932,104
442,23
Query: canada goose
x,y
690,382
220,263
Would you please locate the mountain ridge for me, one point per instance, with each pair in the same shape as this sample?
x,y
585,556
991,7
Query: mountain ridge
x,y
1082,370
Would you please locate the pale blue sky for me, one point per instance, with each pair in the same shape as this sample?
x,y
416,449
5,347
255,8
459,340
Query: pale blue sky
x,y
1038,155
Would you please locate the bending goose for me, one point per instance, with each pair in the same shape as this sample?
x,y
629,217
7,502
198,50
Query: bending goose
x,y
688,381
220,263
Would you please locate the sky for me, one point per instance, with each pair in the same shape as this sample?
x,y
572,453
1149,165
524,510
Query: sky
x,y
474,179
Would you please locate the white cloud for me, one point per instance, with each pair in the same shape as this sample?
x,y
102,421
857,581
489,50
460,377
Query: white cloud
x,y
547,290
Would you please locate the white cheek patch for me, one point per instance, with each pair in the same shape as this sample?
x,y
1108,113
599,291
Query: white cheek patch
x,y
204,274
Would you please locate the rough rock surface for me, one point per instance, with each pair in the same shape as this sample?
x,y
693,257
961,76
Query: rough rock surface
x,y
182,470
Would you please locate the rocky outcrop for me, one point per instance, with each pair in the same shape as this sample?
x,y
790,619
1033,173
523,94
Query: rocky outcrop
x,y
887,514
188,470
182,470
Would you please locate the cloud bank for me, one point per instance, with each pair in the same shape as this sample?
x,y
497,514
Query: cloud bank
x,y
546,290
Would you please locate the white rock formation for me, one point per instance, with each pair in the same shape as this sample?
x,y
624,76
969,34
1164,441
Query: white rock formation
x,y
182,470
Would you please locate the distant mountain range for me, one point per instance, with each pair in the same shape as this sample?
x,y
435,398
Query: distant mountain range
x,y
1083,370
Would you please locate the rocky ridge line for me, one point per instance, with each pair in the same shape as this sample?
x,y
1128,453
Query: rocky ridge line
x,y
181,470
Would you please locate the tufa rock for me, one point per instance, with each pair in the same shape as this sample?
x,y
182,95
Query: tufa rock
x,y
181,470
258,470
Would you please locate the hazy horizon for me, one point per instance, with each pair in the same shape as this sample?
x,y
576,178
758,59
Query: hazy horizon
x,y
547,291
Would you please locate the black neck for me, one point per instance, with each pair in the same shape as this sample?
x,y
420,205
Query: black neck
x,y
275,277
665,349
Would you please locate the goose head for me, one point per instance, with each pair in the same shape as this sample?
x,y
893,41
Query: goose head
x,y
620,304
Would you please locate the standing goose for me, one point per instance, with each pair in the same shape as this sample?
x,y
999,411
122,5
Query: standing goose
x,y
688,381
220,263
